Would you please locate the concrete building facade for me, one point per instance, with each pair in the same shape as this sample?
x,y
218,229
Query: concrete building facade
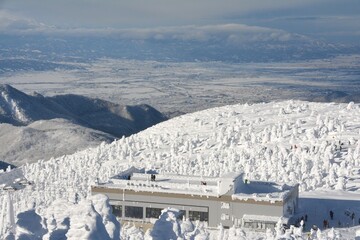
x,y
228,200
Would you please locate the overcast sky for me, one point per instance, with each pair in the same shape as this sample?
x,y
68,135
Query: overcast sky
x,y
334,20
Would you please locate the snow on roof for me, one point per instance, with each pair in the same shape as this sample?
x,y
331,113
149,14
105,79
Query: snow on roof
x,y
262,191
9,177
231,184
169,183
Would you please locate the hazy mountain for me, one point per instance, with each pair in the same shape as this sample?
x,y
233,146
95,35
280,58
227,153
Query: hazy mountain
x,y
229,43
18,108
105,116
37,127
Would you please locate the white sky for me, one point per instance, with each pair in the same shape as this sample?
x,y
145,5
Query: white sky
x,y
324,19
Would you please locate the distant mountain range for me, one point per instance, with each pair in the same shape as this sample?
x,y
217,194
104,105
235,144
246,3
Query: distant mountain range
x,y
36,127
48,53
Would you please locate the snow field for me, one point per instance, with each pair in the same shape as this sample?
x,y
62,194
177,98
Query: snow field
x,y
315,144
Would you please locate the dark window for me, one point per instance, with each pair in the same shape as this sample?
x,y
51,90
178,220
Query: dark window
x,y
153,212
133,212
259,225
196,215
270,225
247,224
117,210
182,214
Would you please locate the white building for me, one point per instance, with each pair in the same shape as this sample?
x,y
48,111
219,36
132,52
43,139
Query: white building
x,y
229,200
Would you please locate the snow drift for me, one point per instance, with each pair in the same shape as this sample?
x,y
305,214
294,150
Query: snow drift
x,y
88,219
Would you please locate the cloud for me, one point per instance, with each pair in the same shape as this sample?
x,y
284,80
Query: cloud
x,y
12,23
142,13
309,17
234,33
228,33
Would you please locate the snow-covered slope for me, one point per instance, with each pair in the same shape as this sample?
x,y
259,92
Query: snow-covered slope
x,y
18,108
315,144
45,139
38,127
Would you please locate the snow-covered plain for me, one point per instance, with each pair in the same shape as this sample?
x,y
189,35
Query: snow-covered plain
x,y
182,87
315,144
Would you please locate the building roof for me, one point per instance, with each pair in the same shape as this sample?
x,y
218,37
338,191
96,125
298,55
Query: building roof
x,y
231,184
138,180
262,191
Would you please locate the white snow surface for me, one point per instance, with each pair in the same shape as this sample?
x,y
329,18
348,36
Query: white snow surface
x,y
171,183
44,139
262,191
88,219
168,226
314,144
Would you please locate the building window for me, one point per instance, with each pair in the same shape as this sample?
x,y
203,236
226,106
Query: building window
x,y
258,225
196,215
182,214
156,212
133,212
270,225
117,210
153,212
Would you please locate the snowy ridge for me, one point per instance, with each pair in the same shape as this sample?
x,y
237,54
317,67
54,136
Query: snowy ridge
x,y
38,127
314,144
18,108
9,104
14,108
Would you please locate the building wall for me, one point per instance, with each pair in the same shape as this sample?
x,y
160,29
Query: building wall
x,y
239,209
291,202
151,200
221,209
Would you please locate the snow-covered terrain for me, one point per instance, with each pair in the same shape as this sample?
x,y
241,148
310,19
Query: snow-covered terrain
x,y
45,139
314,144
18,108
182,87
38,127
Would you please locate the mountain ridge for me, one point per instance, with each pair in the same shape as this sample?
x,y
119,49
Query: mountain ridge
x,y
20,109
34,127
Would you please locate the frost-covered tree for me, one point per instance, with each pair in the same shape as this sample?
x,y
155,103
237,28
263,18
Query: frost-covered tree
x,y
333,234
341,183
